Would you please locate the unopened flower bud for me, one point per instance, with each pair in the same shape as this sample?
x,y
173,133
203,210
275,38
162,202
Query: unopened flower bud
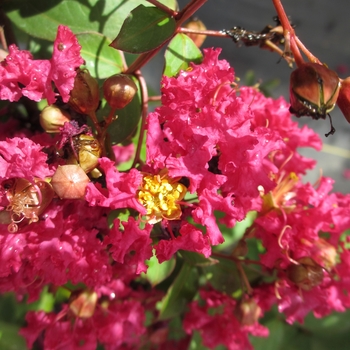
x,y
85,96
69,182
314,90
343,100
53,118
248,312
196,25
326,254
306,275
88,150
84,304
119,90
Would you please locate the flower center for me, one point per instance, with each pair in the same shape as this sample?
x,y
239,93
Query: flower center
x,y
160,196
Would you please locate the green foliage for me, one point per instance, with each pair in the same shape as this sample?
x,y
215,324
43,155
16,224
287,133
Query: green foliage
x,y
157,273
183,289
145,29
180,52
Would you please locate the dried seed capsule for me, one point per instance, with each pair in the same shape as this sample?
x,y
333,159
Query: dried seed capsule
x,y
119,90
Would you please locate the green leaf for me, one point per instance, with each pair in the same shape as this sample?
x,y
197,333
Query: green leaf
x,y
41,18
179,53
101,60
128,118
224,276
196,259
156,272
274,341
145,29
9,338
330,326
180,293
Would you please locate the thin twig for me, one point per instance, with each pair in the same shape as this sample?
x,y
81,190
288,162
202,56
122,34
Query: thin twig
x,y
162,7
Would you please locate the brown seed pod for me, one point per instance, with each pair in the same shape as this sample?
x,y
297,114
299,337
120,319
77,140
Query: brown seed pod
x,y
69,182
119,90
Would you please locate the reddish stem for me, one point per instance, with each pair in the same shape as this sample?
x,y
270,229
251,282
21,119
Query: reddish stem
x,y
164,8
292,40
154,98
203,32
188,11
307,53
180,17
288,33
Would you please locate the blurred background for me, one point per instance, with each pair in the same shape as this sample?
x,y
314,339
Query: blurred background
x,y
323,27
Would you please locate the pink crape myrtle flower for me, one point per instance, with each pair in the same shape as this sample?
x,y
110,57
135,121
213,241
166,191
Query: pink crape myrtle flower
x,y
21,75
189,238
228,141
60,247
132,246
21,157
312,269
115,323
217,324
121,188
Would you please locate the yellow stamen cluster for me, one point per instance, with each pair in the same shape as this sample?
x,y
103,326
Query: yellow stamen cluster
x,y
160,196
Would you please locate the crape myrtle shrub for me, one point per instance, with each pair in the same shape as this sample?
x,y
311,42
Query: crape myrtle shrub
x,y
185,227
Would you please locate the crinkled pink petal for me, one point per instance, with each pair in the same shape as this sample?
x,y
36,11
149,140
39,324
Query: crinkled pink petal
x,y
24,159
131,246
21,75
36,323
65,59
121,188
190,239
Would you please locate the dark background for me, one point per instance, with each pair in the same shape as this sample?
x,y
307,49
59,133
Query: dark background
x,y
324,28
